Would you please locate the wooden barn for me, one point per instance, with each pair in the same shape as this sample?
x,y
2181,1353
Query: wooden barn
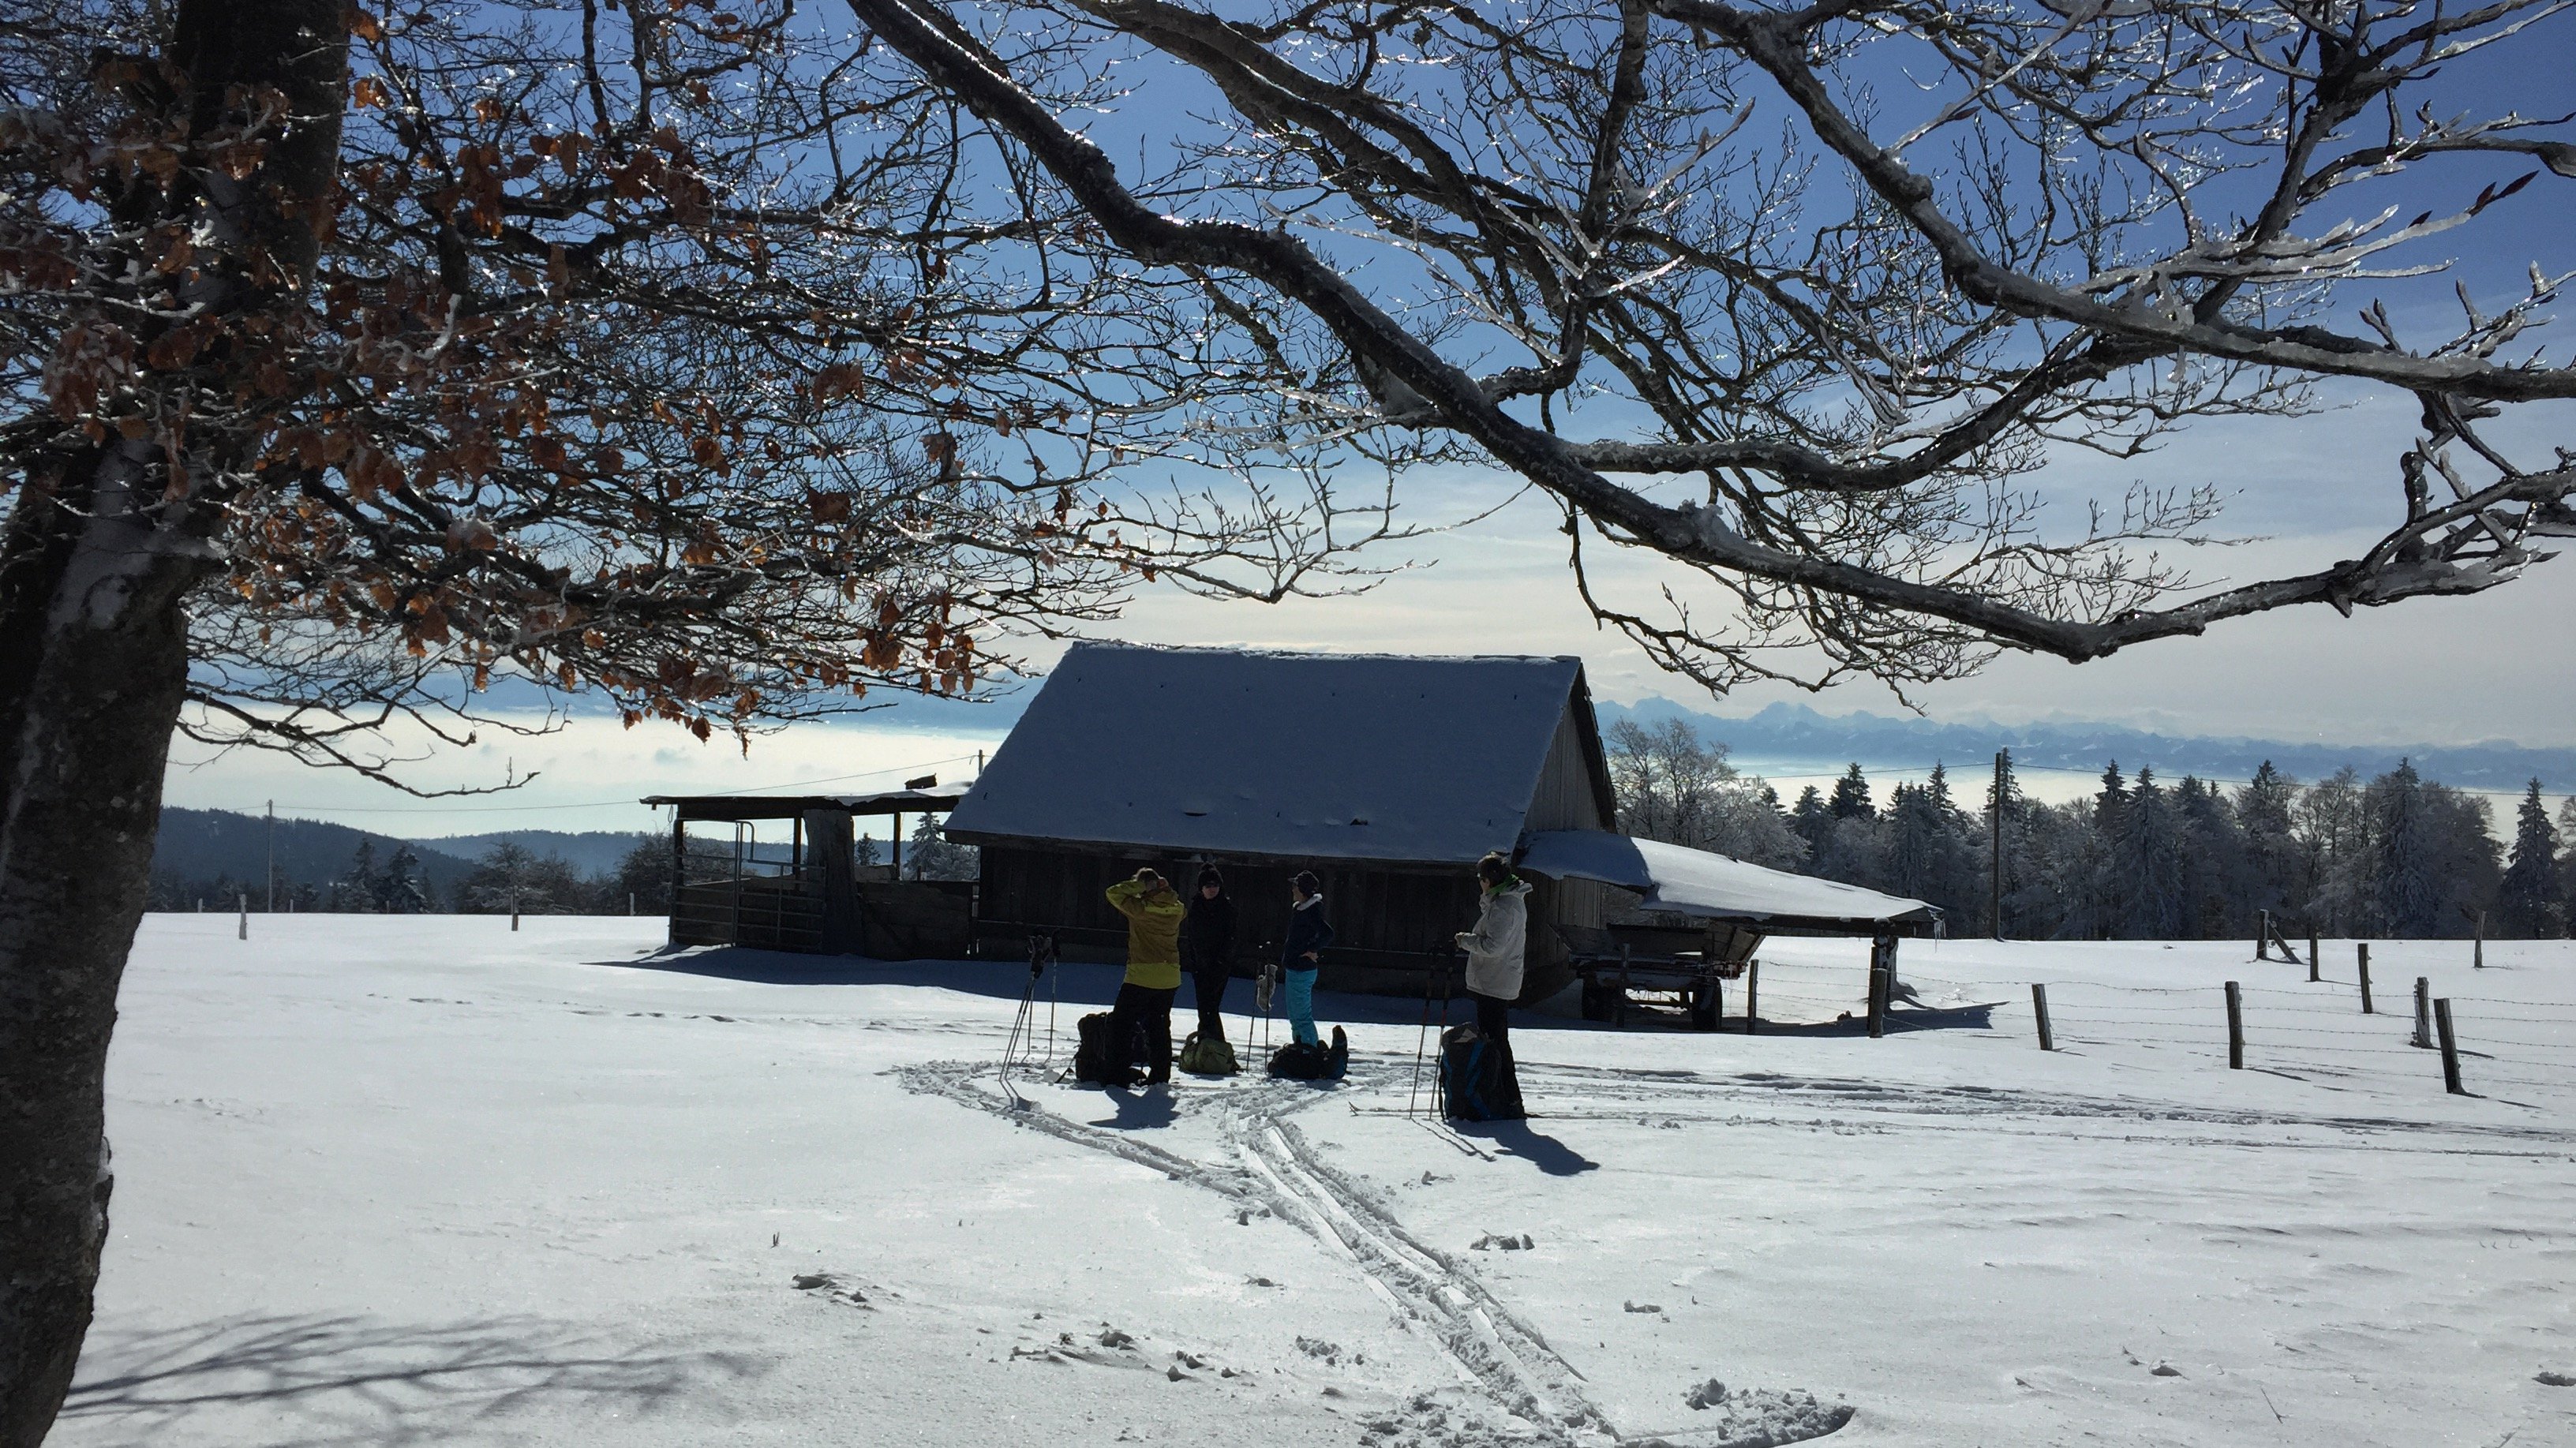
x,y
1387,776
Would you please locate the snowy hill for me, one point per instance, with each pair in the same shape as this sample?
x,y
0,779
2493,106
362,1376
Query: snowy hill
x,y
197,845
426,1180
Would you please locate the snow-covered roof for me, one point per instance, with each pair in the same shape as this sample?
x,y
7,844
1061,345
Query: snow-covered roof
x,y
1297,756
1684,881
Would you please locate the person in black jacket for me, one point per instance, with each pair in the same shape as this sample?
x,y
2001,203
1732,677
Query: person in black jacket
x,y
1207,949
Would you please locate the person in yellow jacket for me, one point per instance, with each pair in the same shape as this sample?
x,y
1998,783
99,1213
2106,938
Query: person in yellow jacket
x,y
1141,1020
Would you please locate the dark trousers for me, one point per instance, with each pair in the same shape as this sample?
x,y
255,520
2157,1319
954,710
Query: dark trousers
x,y
1494,1019
1211,983
1140,1020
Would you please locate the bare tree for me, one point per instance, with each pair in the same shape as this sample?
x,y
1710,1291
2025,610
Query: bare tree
x,y
1798,300
365,360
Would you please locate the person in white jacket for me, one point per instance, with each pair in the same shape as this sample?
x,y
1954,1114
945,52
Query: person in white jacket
x,y
1494,950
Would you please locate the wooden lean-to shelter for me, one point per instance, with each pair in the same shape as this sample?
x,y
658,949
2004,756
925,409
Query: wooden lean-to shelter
x,y
1387,776
781,872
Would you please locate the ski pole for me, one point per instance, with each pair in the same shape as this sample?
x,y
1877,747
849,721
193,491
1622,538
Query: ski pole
x,y
1420,1038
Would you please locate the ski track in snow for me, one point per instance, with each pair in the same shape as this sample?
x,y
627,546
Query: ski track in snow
x,y
1510,1361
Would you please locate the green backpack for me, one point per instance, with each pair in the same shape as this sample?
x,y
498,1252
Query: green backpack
x,y
1208,1056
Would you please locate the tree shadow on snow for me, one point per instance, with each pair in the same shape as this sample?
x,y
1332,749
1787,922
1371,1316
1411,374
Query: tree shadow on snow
x,y
1519,1138
317,1379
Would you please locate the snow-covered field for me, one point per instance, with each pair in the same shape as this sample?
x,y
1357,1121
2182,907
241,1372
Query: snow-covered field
x,y
425,1180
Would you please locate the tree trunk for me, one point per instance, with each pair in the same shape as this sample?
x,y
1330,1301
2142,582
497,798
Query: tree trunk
x,y
91,675
95,569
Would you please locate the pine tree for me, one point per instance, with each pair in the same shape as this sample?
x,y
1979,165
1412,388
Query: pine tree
x,y
400,890
2531,902
2405,897
2272,858
355,891
2110,799
2005,811
2216,876
1812,820
1851,796
2146,856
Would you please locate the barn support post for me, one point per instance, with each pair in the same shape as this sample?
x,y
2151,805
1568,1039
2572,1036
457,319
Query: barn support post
x,y
1752,997
828,835
679,868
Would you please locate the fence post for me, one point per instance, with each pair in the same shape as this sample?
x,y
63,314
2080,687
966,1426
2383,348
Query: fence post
x,y
1880,968
244,902
2450,1048
2039,1008
2364,962
2478,944
2263,935
2235,1030
630,902
2312,955
2423,1012
1752,989
514,912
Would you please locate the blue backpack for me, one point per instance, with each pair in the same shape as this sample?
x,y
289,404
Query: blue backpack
x,y
1470,1072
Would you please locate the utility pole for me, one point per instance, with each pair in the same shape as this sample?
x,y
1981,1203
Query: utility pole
x,y
272,857
1995,837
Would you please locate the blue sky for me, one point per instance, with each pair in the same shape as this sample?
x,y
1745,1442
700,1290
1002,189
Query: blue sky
x,y
2501,665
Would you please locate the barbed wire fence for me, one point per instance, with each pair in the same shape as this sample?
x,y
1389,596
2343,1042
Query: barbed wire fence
x,y
2308,1027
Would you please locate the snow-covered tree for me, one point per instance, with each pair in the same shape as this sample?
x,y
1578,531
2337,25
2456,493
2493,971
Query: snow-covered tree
x,y
930,856
1672,785
2531,901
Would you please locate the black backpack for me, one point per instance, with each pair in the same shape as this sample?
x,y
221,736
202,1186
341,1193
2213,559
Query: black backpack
x,y
1470,1072
1300,1061
1095,1059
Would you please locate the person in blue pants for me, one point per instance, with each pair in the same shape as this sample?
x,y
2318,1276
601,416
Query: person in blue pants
x,y
1301,955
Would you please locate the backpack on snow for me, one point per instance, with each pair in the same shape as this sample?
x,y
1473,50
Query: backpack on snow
x,y
1312,1061
1470,1075
1208,1056
1095,1059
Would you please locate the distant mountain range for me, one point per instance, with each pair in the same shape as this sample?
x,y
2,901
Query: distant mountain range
x,y
200,846
1792,738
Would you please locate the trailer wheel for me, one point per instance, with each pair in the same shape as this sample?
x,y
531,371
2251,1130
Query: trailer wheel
x,y
1703,1005
1596,1000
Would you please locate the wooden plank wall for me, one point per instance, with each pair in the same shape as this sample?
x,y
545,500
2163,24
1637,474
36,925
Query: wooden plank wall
x,y
1566,798
1375,912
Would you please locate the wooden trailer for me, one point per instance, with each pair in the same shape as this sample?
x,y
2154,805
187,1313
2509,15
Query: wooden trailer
x,y
1697,918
